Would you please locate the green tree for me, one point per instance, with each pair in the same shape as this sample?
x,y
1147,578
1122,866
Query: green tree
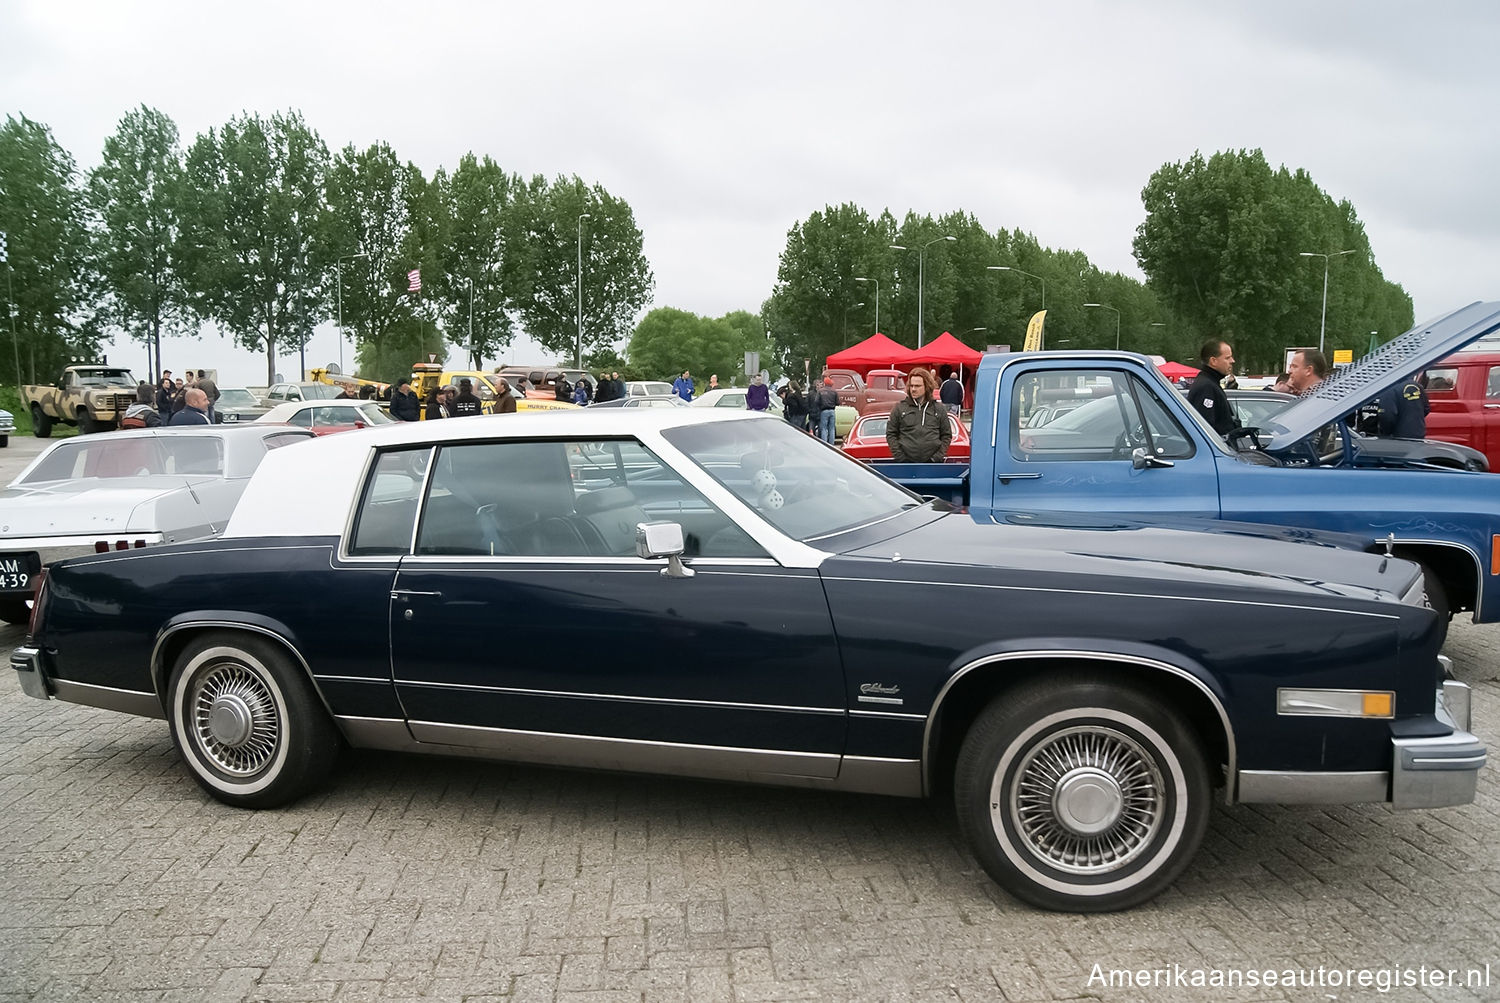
x,y
811,312
476,199
669,340
135,194
252,210
47,281
544,237
383,209
1220,245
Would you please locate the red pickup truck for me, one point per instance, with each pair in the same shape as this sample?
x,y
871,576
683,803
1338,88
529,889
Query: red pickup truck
x,y
878,391
1464,390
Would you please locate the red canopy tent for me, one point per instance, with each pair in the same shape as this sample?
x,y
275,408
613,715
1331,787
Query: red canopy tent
x,y
946,350
1176,370
875,352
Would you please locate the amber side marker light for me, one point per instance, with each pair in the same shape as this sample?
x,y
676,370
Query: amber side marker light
x,y
1335,703
1495,555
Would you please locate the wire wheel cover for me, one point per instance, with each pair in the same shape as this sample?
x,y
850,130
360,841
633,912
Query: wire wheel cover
x,y
1087,800
235,720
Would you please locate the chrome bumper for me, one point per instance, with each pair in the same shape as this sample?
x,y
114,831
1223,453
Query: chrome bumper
x,y
27,661
1442,771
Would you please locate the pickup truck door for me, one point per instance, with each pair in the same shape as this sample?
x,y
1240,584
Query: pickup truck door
x,y
1086,460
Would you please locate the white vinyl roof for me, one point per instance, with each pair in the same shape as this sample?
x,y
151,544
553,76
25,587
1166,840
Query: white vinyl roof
x,y
309,489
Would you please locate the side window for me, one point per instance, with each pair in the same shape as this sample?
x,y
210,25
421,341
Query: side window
x,y
564,499
843,382
1441,379
1073,415
302,418
1492,388
388,509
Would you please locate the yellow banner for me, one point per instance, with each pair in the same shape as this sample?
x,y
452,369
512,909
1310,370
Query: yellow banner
x,y
1034,332
1343,356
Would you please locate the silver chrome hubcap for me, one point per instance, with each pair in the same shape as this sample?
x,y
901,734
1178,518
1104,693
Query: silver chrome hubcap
x,y
235,719
1087,800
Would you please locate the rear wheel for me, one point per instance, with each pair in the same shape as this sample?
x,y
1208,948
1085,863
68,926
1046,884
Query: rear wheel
x,y
1081,795
248,724
41,423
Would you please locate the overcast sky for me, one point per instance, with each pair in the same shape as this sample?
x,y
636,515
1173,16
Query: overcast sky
x,y
725,124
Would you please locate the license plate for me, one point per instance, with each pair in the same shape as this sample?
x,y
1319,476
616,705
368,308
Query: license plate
x,y
18,572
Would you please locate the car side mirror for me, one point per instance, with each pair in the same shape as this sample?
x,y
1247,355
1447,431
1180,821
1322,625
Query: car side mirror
x,y
1140,459
662,539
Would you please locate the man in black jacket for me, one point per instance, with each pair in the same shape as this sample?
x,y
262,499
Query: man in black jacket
x,y
1206,394
404,405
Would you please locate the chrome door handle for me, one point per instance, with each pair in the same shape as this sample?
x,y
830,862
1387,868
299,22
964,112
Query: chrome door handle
x,y
401,594
1007,478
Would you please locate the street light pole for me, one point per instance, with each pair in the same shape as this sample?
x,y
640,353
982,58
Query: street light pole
x,y
578,355
1021,271
1106,306
473,361
1323,321
922,282
338,267
877,301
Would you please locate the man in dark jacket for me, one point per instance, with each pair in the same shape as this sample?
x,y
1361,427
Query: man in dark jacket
x,y
194,408
1206,394
919,429
1403,411
465,404
952,394
404,405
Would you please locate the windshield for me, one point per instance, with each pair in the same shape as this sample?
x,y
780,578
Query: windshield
x,y
801,486
106,378
320,391
374,415
235,397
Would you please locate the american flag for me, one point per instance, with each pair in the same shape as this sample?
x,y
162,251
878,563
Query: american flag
x,y
414,280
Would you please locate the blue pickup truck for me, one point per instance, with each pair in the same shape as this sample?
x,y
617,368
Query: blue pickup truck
x,y
1133,448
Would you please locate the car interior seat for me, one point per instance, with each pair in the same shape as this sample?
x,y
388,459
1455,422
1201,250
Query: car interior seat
x,y
606,521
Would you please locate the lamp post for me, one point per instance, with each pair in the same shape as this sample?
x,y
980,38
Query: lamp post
x,y
877,301
1106,306
1323,322
338,267
1021,271
473,360
922,278
854,306
578,355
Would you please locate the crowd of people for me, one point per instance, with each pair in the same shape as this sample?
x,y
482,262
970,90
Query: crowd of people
x,y
185,400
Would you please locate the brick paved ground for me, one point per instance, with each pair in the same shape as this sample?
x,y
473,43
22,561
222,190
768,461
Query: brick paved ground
x,y
441,879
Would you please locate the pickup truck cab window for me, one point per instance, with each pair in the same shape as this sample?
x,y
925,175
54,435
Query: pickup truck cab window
x,y
1119,415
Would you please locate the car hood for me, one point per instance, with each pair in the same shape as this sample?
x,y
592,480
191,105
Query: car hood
x,y
65,507
1394,361
1188,553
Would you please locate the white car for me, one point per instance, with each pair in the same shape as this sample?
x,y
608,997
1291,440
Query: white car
x,y
731,397
7,427
647,388
324,417
131,488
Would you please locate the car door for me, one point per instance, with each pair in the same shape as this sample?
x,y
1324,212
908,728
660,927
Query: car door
x,y
1082,461
523,623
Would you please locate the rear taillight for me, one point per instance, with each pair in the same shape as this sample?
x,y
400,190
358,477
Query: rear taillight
x,y
36,603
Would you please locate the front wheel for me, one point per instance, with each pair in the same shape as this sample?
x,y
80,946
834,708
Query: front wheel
x,y
1080,795
86,423
247,723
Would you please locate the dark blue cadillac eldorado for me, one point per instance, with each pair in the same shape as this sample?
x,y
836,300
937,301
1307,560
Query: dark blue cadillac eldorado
x,y
773,612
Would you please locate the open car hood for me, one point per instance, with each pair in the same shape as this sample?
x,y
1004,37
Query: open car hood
x,y
1394,361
